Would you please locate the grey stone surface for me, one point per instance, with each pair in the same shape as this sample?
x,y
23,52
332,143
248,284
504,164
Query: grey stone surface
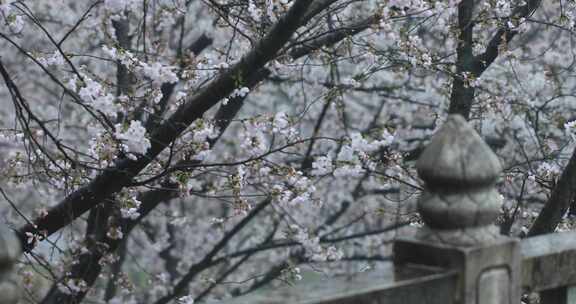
x,y
463,237
459,206
459,202
471,262
561,295
549,261
458,155
404,285
494,286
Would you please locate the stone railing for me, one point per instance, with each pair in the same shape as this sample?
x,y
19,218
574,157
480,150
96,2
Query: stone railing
x,y
459,255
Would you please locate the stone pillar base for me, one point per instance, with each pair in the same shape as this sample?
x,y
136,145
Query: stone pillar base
x,y
489,273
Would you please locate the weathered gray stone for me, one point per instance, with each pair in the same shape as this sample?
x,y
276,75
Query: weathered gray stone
x,y
471,262
457,155
473,208
560,295
403,285
460,203
459,206
460,237
494,286
549,261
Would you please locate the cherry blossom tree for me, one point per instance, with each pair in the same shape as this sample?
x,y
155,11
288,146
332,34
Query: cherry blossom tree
x,y
177,151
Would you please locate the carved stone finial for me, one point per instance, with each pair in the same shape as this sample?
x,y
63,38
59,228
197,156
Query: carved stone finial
x,y
10,250
460,202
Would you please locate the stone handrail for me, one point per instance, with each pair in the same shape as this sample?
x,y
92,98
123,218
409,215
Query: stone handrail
x,y
459,255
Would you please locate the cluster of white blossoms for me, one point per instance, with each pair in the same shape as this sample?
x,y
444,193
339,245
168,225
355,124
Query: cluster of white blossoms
x,y
281,125
291,274
269,9
353,157
348,163
254,139
129,207
198,139
311,243
158,73
14,21
103,148
570,14
185,300
257,133
115,233
298,190
549,169
442,10
501,8
415,51
240,92
54,59
95,95
124,56
323,165
254,11
118,6
361,145
73,286
167,21
133,138
405,6
155,71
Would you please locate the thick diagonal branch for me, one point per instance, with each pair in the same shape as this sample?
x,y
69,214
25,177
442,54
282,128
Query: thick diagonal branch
x,y
559,202
114,179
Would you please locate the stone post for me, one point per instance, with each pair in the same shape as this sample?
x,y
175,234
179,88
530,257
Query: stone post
x,y
459,206
10,250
